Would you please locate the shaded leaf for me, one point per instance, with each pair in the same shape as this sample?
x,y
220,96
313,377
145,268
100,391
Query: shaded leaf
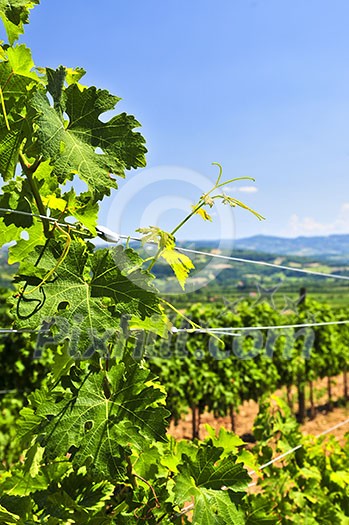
x,y
87,294
99,423
14,15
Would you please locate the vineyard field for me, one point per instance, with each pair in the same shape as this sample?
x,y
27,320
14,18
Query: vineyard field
x,y
146,386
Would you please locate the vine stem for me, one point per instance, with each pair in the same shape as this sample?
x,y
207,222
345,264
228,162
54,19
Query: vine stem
x,y
4,110
192,323
198,206
28,171
202,201
157,503
189,216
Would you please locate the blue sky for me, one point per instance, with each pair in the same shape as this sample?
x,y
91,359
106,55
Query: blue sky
x,y
260,86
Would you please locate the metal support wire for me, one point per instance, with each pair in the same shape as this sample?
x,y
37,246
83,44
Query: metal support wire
x,y
6,331
228,330
285,454
38,216
190,507
113,237
264,263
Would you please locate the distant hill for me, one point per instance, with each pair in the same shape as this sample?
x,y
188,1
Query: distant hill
x,y
335,247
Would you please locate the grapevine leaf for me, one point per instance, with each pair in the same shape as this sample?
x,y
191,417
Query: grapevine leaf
x,y
72,146
228,440
340,477
231,201
55,203
14,197
260,512
73,76
180,263
216,508
154,234
90,305
117,409
81,208
21,65
157,324
131,290
55,86
61,364
14,15
206,474
9,148
16,77
8,233
203,477
24,248
7,517
203,213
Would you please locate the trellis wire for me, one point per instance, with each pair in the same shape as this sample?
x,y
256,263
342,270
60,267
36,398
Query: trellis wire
x,y
6,331
227,330
281,456
265,263
38,216
277,458
113,237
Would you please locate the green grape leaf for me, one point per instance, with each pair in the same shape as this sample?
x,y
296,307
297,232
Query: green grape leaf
x,y
72,146
7,517
14,15
109,411
260,511
74,75
16,78
24,247
10,142
55,86
115,276
8,233
82,209
206,473
21,66
180,263
226,439
231,201
202,477
154,234
14,197
157,324
340,477
216,508
86,294
203,213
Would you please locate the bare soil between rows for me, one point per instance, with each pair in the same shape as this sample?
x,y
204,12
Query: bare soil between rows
x,y
246,414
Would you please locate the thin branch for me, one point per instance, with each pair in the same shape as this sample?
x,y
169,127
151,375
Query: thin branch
x,y
157,503
28,171
4,110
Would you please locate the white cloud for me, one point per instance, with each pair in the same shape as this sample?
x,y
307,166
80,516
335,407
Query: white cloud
x,y
242,189
310,226
248,189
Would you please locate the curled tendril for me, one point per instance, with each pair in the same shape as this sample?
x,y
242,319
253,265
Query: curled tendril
x,y
59,261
